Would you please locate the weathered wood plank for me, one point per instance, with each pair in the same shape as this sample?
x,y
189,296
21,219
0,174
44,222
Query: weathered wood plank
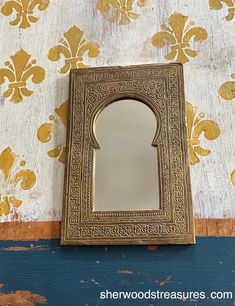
x,y
76,275
51,229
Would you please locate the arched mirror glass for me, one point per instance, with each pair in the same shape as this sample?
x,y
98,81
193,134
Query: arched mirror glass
x,y
126,166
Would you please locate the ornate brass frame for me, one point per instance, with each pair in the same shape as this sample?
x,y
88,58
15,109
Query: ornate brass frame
x,y
161,88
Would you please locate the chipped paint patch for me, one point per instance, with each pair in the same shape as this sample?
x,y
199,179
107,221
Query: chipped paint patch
x,y
148,50
152,247
165,281
125,272
35,195
15,216
95,282
125,282
30,248
2,100
20,297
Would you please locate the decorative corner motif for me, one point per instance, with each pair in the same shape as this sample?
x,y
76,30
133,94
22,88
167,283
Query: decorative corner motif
x,y
73,47
218,5
196,125
232,177
18,71
14,179
57,126
227,89
178,33
122,9
25,10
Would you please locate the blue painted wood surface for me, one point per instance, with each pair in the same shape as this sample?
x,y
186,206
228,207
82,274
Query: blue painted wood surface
x,y
76,276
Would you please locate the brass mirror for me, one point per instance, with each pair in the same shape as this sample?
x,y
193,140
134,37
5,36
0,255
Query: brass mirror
x,y
127,176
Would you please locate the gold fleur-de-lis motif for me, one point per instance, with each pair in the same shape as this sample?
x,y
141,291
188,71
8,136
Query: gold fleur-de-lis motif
x,y
73,47
57,125
232,177
18,71
24,11
123,9
227,89
196,125
13,179
218,5
179,32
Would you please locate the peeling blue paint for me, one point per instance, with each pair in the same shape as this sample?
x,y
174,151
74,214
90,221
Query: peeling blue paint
x,y
76,275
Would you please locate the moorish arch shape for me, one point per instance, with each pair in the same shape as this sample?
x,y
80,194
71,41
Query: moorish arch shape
x,y
125,96
126,167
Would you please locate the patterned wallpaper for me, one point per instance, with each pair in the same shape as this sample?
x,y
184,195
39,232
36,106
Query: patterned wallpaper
x,y
41,40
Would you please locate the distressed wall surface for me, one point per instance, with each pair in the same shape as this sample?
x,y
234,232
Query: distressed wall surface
x,y
39,46
40,41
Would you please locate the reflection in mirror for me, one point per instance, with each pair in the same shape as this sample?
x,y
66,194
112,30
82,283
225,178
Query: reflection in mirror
x,y
126,167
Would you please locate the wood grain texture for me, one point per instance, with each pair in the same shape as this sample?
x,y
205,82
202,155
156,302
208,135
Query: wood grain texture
x,y
215,227
30,230
76,275
22,231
